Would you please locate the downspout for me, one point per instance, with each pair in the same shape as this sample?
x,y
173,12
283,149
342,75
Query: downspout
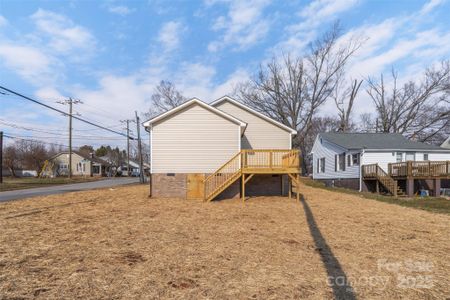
x,y
361,157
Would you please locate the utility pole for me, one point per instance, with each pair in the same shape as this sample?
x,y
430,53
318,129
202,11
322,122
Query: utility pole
x,y
1,156
70,102
128,144
141,166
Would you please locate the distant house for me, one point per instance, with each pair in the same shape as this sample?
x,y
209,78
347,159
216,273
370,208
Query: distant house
x,y
223,149
368,161
446,143
82,164
134,168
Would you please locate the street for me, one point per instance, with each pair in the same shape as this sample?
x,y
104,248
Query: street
x,y
65,188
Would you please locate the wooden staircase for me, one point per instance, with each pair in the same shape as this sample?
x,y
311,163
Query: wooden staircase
x,y
374,171
217,182
250,162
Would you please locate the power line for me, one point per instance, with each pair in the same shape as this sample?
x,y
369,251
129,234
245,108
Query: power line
x,y
33,140
61,112
57,134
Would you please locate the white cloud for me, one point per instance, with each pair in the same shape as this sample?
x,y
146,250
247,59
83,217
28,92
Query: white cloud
x,y
3,21
120,10
244,26
429,6
49,93
29,62
65,37
170,34
314,15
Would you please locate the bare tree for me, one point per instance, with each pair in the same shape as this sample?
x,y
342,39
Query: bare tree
x,y
165,97
11,159
344,101
32,154
292,89
418,110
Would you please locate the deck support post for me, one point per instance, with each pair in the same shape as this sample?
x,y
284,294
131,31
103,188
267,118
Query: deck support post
x,y
289,187
410,187
243,188
377,186
437,187
298,187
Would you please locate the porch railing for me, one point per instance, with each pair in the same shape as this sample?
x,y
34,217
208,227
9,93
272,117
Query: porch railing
x,y
420,169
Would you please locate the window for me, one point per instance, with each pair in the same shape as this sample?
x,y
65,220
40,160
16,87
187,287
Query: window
x,y
63,166
425,156
84,167
410,156
355,159
349,160
399,157
339,162
321,165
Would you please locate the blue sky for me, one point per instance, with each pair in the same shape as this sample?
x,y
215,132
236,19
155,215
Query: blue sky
x,y
111,54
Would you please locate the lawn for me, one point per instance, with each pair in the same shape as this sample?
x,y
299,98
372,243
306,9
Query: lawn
x,y
434,204
11,183
118,243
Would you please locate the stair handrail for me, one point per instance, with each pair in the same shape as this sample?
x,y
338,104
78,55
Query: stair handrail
x,y
222,167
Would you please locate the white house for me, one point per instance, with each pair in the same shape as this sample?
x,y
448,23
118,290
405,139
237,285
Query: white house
x,y
208,147
338,157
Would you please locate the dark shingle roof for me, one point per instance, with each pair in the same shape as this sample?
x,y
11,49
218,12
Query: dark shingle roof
x,y
376,141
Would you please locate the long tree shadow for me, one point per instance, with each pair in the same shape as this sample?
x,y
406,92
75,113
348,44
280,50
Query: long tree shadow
x,y
337,278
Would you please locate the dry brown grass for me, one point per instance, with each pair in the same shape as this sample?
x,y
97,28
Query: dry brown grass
x,y
120,244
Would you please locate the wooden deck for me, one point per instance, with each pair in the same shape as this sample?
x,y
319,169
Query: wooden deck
x,y
411,169
407,173
420,169
247,163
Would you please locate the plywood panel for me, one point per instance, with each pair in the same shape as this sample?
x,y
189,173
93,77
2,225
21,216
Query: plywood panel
x,y
195,187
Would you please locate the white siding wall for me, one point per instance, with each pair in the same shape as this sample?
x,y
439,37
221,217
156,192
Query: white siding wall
x,y
194,140
383,158
380,158
259,134
438,156
329,150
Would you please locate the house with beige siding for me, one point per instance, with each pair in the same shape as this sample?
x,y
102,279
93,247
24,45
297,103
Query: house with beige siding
x,y
220,150
82,165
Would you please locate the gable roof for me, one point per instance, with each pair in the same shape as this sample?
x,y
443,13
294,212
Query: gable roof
x,y
87,157
250,110
200,103
376,141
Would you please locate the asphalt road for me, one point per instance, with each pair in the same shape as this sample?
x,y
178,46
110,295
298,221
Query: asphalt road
x,y
65,188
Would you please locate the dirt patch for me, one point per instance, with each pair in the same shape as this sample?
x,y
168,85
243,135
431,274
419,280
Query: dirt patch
x,y
121,244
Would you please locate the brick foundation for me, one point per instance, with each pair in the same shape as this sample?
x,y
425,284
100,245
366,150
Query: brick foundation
x,y
267,185
165,186
349,183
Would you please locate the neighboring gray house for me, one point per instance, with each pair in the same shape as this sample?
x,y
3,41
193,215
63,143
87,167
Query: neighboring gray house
x,y
338,157
82,165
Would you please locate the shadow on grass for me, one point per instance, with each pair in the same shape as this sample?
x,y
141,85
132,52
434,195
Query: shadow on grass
x,y
336,278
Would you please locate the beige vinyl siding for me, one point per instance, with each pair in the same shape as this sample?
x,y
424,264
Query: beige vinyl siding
x,y
193,140
63,158
259,134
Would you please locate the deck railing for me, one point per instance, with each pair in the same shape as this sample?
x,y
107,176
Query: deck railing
x,y
270,159
220,178
374,171
422,169
251,161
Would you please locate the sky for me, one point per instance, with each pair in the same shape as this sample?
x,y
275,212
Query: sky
x,y
112,54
